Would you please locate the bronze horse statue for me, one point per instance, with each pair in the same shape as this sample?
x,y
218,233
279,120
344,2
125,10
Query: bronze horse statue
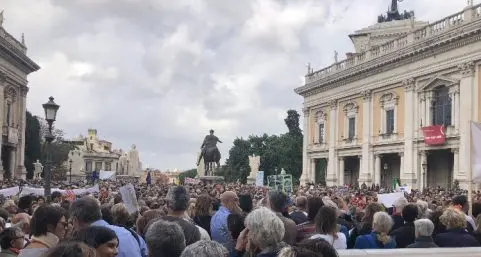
x,y
210,153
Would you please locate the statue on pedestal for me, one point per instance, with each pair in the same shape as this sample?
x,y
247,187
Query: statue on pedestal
x,y
254,164
210,153
200,167
38,169
134,161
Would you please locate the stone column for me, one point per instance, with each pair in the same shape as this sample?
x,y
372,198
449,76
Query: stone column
x,y
377,169
456,109
364,169
423,173
455,162
312,173
13,162
359,180
341,171
331,176
2,118
22,172
466,110
305,165
401,165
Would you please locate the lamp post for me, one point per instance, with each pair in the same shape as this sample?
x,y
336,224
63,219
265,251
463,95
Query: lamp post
x,y
70,171
51,109
384,167
425,166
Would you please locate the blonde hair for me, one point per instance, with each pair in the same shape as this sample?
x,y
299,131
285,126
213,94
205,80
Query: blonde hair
x,y
453,218
382,224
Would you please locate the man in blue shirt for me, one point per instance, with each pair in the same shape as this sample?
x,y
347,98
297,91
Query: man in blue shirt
x,y
218,224
86,212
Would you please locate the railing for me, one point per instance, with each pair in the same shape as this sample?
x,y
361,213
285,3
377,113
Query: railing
x,y
12,41
436,28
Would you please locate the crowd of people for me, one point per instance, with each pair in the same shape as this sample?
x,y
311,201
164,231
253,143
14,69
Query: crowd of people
x,y
231,219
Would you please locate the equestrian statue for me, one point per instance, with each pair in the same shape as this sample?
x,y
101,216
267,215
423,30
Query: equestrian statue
x,y
210,153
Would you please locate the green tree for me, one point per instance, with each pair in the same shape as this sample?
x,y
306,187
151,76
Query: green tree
x,y
59,149
192,173
32,143
238,161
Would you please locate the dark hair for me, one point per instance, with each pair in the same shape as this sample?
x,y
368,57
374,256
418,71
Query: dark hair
x,y
86,210
245,203
313,206
94,236
203,206
56,194
278,200
70,249
369,212
303,252
144,220
301,202
410,212
45,217
106,211
4,214
178,198
25,202
235,224
460,200
8,235
319,246
326,221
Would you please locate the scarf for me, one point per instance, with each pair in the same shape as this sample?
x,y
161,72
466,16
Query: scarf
x,y
50,240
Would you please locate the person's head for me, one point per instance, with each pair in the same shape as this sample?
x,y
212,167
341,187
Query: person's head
x,y
423,209
56,197
313,206
102,239
211,132
22,220
10,206
177,199
230,201
410,212
205,248
266,230
165,239
296,251
49,219
245,203
423,228
453,218
106,210
203,206
326,221
399,204
370,210
84,212
25,203
460,202
382,224
319,246
70,249
40,200
278,201
120,215
235,224
301,203
12,237
4,214
146,217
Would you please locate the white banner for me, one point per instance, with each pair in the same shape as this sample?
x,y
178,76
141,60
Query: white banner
x,y
7,192
192,181
260,179
389,199
476,152
104,175
129,198
40,191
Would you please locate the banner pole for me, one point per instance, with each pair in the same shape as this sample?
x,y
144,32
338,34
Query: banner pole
x,y
470,175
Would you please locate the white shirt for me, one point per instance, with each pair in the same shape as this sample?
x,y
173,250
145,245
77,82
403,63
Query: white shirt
x,y
339,243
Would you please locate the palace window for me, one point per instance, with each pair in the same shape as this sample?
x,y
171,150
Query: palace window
x,y
441,107
320,121
352,128
88,166
108,166
98,166
389,105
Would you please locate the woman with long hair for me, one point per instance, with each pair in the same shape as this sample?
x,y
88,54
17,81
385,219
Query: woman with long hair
x,y
365,227
328,229
203,212
379,237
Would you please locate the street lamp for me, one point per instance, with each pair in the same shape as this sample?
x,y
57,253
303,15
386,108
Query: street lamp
x,y
51,109
70,171
425,166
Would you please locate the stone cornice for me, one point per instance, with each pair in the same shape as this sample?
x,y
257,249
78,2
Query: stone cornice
x,y
17,57
467,69
434,45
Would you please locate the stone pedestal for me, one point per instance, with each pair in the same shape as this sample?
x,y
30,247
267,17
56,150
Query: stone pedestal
x,y
21,173
211,179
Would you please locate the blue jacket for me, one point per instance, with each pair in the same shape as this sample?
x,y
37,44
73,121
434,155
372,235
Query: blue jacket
x,y
219,231
456,238
370,242
128,244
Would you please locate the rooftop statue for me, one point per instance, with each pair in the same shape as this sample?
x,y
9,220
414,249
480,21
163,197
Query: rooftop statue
x,y
394,14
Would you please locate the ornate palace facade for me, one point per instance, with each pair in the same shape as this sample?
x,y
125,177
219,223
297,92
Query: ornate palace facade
x,y
14,68
366,118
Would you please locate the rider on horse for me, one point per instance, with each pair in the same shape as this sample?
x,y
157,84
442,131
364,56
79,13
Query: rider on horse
x,y
210,141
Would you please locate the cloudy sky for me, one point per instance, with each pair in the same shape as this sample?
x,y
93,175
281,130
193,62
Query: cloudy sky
x,y
161,73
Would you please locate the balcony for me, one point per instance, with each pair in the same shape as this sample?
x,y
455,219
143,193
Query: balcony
x,y
318,147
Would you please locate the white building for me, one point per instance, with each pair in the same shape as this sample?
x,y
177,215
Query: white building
x,y
364,116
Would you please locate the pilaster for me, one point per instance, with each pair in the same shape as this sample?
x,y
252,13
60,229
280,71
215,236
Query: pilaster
x,y
406,173
22,172
305,165
466,92
341,171
364,165
331,176
377,169
3,80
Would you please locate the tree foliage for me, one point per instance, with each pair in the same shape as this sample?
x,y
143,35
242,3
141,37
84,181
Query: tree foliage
x,y
192,173
32,143
59,149
276,152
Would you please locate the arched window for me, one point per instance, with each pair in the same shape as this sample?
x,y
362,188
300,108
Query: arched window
x,y
441,106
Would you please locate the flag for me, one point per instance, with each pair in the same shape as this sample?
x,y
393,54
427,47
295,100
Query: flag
x,y
476,151
148,179
395,184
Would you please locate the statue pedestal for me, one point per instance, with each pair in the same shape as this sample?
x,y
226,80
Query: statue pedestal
x,y
211,179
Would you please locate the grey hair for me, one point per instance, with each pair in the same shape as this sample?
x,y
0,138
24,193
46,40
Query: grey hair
x,y
423,227
400,203
178,198
86,210
266,230
423,208
332,204
165,239
205,248
382,222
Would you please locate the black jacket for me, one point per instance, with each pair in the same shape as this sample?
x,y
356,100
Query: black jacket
x,y
456,238
404,235
423,242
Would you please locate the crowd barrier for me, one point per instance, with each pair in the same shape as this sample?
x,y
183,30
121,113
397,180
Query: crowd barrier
x,y
414,252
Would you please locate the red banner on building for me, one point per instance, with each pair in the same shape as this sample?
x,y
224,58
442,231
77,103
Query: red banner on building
x,y
434,135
